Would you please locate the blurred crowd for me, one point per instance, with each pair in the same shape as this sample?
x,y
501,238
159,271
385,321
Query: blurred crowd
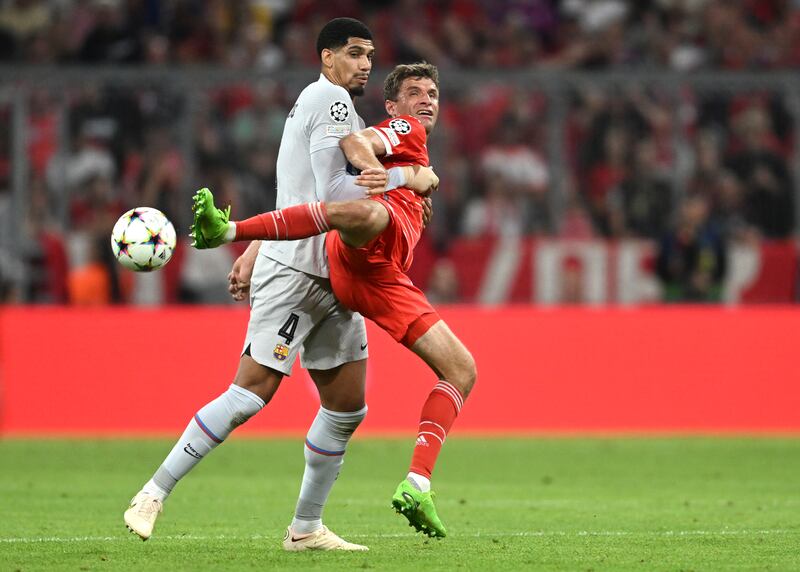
x,y
271,34
693,171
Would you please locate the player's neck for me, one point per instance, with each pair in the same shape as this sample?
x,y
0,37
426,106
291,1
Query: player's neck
x,y
331,77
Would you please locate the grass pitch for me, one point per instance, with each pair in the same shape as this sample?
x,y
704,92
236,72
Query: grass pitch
x,y
509,504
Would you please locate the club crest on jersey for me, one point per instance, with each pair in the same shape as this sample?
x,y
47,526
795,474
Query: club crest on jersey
x,y
339,112
400,126
281,352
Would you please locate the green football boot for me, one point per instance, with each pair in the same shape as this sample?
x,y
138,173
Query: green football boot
x,y
419,509
210,223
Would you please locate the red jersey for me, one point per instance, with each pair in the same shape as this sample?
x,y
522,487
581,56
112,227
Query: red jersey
x,y
372,280
405,140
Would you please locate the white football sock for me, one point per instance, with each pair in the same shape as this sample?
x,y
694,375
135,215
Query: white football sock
x,y
207,429
230,234
324,451
420,482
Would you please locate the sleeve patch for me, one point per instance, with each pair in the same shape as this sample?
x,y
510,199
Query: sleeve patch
x,y
382,136
400,126
339,112
392,135
337,130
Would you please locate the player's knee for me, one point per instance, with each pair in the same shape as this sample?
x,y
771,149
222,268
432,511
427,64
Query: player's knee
x,y
469,373
464,372
264,383
364,216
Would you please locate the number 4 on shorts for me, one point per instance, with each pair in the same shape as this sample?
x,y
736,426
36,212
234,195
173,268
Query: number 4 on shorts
x,y
287,330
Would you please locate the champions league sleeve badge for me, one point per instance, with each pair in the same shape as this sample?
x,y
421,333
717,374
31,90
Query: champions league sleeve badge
x,y
400,126
339,112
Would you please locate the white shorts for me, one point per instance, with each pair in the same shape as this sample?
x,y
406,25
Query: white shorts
x,y
290,310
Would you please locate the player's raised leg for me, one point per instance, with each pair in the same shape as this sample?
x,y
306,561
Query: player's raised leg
x,y
359,221
253,387
454,365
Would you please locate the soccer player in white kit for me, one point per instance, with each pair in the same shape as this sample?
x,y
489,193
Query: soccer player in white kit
x,y
293,308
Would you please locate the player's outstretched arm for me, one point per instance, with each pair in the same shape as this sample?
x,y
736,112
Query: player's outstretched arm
x,y
362,150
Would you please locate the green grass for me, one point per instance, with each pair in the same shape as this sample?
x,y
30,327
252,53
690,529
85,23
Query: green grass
x,y
509,504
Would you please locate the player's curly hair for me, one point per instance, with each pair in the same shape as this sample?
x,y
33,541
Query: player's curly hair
x,y
393,81
335,33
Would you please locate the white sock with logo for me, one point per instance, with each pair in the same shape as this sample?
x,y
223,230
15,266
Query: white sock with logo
x,y
324,451
210,426
420,482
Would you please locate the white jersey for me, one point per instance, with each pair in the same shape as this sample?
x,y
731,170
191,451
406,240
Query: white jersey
x,y
322,115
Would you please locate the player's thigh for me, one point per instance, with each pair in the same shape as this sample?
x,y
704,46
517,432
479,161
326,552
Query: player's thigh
x,y
285,308
441,349
358,222
335,355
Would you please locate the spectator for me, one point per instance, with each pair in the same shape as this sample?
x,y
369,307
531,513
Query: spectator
x,y
159,175
728,208
641,205
257,184
765,174
90,284
605,175
499,212
443,283
113,39
518,176
21,21
43,251
692,257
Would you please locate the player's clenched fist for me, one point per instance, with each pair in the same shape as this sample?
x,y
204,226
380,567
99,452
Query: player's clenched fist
x,y
421,180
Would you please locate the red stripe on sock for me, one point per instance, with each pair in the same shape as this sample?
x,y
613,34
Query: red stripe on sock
x,y
290,223
438,415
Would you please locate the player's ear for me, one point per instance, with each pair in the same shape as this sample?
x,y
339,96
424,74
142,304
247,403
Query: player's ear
x,y
391,107
327,58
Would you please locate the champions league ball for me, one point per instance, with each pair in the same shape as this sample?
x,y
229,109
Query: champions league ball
x,y
143,239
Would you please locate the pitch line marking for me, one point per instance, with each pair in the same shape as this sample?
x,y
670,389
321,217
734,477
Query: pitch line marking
x,y
580,533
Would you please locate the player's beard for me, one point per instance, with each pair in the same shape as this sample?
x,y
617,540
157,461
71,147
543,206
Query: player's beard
x,y
356,91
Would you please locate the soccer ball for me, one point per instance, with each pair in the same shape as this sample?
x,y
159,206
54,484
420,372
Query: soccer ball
x,y
143,239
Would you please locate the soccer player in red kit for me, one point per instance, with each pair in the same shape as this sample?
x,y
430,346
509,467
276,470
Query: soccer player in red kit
x,y
370,249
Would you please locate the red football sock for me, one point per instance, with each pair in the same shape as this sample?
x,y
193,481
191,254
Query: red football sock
x,y
291,223
438,415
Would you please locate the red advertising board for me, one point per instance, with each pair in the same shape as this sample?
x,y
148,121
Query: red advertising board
x,y
129,371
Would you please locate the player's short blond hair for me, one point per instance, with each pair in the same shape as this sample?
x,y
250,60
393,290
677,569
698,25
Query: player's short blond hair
x,y
393,81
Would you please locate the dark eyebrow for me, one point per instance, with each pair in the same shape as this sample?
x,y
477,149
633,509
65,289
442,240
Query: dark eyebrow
x,y
359,48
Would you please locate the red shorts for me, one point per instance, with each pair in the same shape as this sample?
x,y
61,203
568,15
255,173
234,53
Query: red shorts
x,y
368,282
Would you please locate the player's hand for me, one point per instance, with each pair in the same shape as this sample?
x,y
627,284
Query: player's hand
x,y
239,277
422,180
374,180
427,211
